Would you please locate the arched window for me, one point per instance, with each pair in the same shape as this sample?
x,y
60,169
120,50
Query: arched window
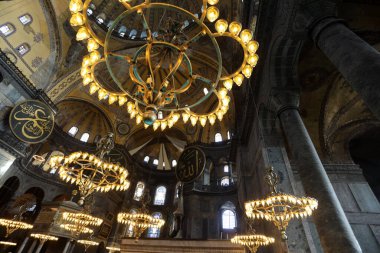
x,y
174,163
228,219
225,181
159,198
85,137
89,12
218,137
226,168
101,18
23,49
122,31
146,159
7,29
143,35
205,91
139,191
228,135
25,19
155,162
73,131
154,232
133,34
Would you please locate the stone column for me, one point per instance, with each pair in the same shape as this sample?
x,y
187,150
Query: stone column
x,y
31,249
334,230
42,242
22,246
67,246
356,60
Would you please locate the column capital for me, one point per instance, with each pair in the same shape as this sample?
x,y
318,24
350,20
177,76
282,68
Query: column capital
x,y
283,99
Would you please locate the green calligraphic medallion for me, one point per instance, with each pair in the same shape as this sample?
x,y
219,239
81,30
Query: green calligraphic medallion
x,y
31,121
191,164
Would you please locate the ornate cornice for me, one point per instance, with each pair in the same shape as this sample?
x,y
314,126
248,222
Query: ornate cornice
x,y
12,145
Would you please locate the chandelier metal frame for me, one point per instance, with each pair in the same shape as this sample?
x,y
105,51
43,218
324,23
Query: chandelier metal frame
x,y
6,243
280,208
164,95
76,228
91,172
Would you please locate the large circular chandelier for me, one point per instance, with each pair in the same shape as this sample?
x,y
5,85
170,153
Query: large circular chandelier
x,y
253,241
175,67
140,222
279,208
82,219
13,225
92,172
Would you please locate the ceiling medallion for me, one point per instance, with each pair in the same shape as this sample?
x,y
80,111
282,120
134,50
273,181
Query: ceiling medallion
x,y
92,172
280,208
161,81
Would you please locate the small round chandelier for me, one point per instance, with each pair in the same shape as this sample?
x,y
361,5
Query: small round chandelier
x,y
175,65
13,225
91,172
6,243
140,221
113,248
279,208
44,238
253,241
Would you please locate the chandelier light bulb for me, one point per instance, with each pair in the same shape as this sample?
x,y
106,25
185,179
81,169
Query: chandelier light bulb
x,y
212,2
226,101
164,124
238,79
223,93
87,79
247,71
212,13
203,120
112,99
94,56
122,100
92,45
76,6
253,59
235,28
252,46
221,26
228,84
93,88
246,35
82,34
139,119
185,117
76,19
212,119
102,94
220,115
193,120
86,61
84,71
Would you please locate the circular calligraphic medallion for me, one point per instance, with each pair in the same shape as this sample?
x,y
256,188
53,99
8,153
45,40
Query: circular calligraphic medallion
x,y
31,121
191,164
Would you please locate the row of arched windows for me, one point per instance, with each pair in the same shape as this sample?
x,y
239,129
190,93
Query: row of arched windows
x,y
155,161
219,138
159,197
8,29
74,130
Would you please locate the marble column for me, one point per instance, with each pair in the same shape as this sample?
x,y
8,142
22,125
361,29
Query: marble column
x,y
22,246
67,246
31,249
356,60
334,230
42,242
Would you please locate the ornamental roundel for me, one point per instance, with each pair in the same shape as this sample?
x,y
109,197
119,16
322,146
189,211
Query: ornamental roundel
x,y
191,164
31,121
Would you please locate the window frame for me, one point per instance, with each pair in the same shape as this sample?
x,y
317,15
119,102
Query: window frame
x,y
159,202
216,137
84,134
229,227
154,231
9,24
23,15
23,44
139,198
73,127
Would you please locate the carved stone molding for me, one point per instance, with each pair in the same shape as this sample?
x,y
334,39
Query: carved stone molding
x,y
282,99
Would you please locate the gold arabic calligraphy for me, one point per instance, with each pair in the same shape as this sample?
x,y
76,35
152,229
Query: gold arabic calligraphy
x,y
35,121
191,166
